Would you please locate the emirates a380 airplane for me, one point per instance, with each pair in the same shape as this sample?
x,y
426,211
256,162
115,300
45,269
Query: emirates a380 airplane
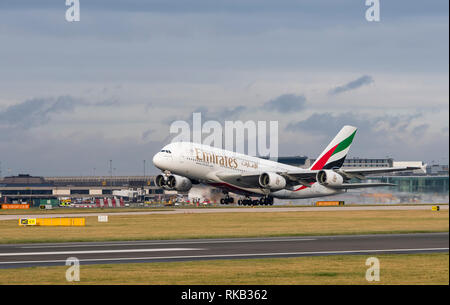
x,y
184,164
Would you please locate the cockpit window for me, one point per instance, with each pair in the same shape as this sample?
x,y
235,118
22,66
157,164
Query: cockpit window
x,y
166,151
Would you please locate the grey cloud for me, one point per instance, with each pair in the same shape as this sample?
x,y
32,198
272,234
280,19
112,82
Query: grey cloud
x,y
420,130
106,103
61,156
355,84
231,113
384,135
282,104
148,107
216,115
328,124
146,133
322,123
146,46
16,120
38,111
286,103
19,112
206,114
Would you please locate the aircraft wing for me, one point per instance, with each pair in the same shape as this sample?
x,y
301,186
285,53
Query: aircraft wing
x,y
307,177
251,180
360,173
245,180
359,185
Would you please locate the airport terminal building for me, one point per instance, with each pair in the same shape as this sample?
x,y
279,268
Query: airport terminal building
x,y
26,188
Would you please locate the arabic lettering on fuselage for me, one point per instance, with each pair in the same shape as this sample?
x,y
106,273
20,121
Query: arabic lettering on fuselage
x,y
250,164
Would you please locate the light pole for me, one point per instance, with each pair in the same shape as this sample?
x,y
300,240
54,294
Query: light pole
x,y
144,169
143,184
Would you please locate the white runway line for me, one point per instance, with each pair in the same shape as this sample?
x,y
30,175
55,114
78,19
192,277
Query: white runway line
x,y
233,255
172,243
98,251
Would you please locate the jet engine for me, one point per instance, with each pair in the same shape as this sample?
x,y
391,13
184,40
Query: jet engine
x,y
179,183
272,181
328,177
161,181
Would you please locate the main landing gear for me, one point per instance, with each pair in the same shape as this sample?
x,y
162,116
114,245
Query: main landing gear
x,y
227,200
267,200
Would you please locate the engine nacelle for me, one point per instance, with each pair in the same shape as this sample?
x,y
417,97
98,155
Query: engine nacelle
x,y
272,181
161,181
179,183
329,177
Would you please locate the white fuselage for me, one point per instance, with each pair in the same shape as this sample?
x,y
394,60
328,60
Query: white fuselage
x,y
203,163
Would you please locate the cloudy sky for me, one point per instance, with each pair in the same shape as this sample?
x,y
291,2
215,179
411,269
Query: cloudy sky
x,y
74,95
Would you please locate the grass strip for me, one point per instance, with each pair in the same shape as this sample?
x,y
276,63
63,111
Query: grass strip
x,y
410,269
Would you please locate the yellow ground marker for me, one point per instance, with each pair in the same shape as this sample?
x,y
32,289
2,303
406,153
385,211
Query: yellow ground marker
x,y
65,222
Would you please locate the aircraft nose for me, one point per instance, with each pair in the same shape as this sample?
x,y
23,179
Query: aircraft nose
x,y
157,160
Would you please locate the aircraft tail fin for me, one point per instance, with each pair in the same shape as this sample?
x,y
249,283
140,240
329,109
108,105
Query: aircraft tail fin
x,y
334,154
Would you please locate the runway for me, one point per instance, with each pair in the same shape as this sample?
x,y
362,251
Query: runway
x,y
56,254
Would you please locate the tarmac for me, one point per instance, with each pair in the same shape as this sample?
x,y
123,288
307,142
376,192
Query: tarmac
x,y
56,254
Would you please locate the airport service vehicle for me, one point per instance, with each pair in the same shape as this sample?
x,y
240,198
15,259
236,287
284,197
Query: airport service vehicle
x,y
185,163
